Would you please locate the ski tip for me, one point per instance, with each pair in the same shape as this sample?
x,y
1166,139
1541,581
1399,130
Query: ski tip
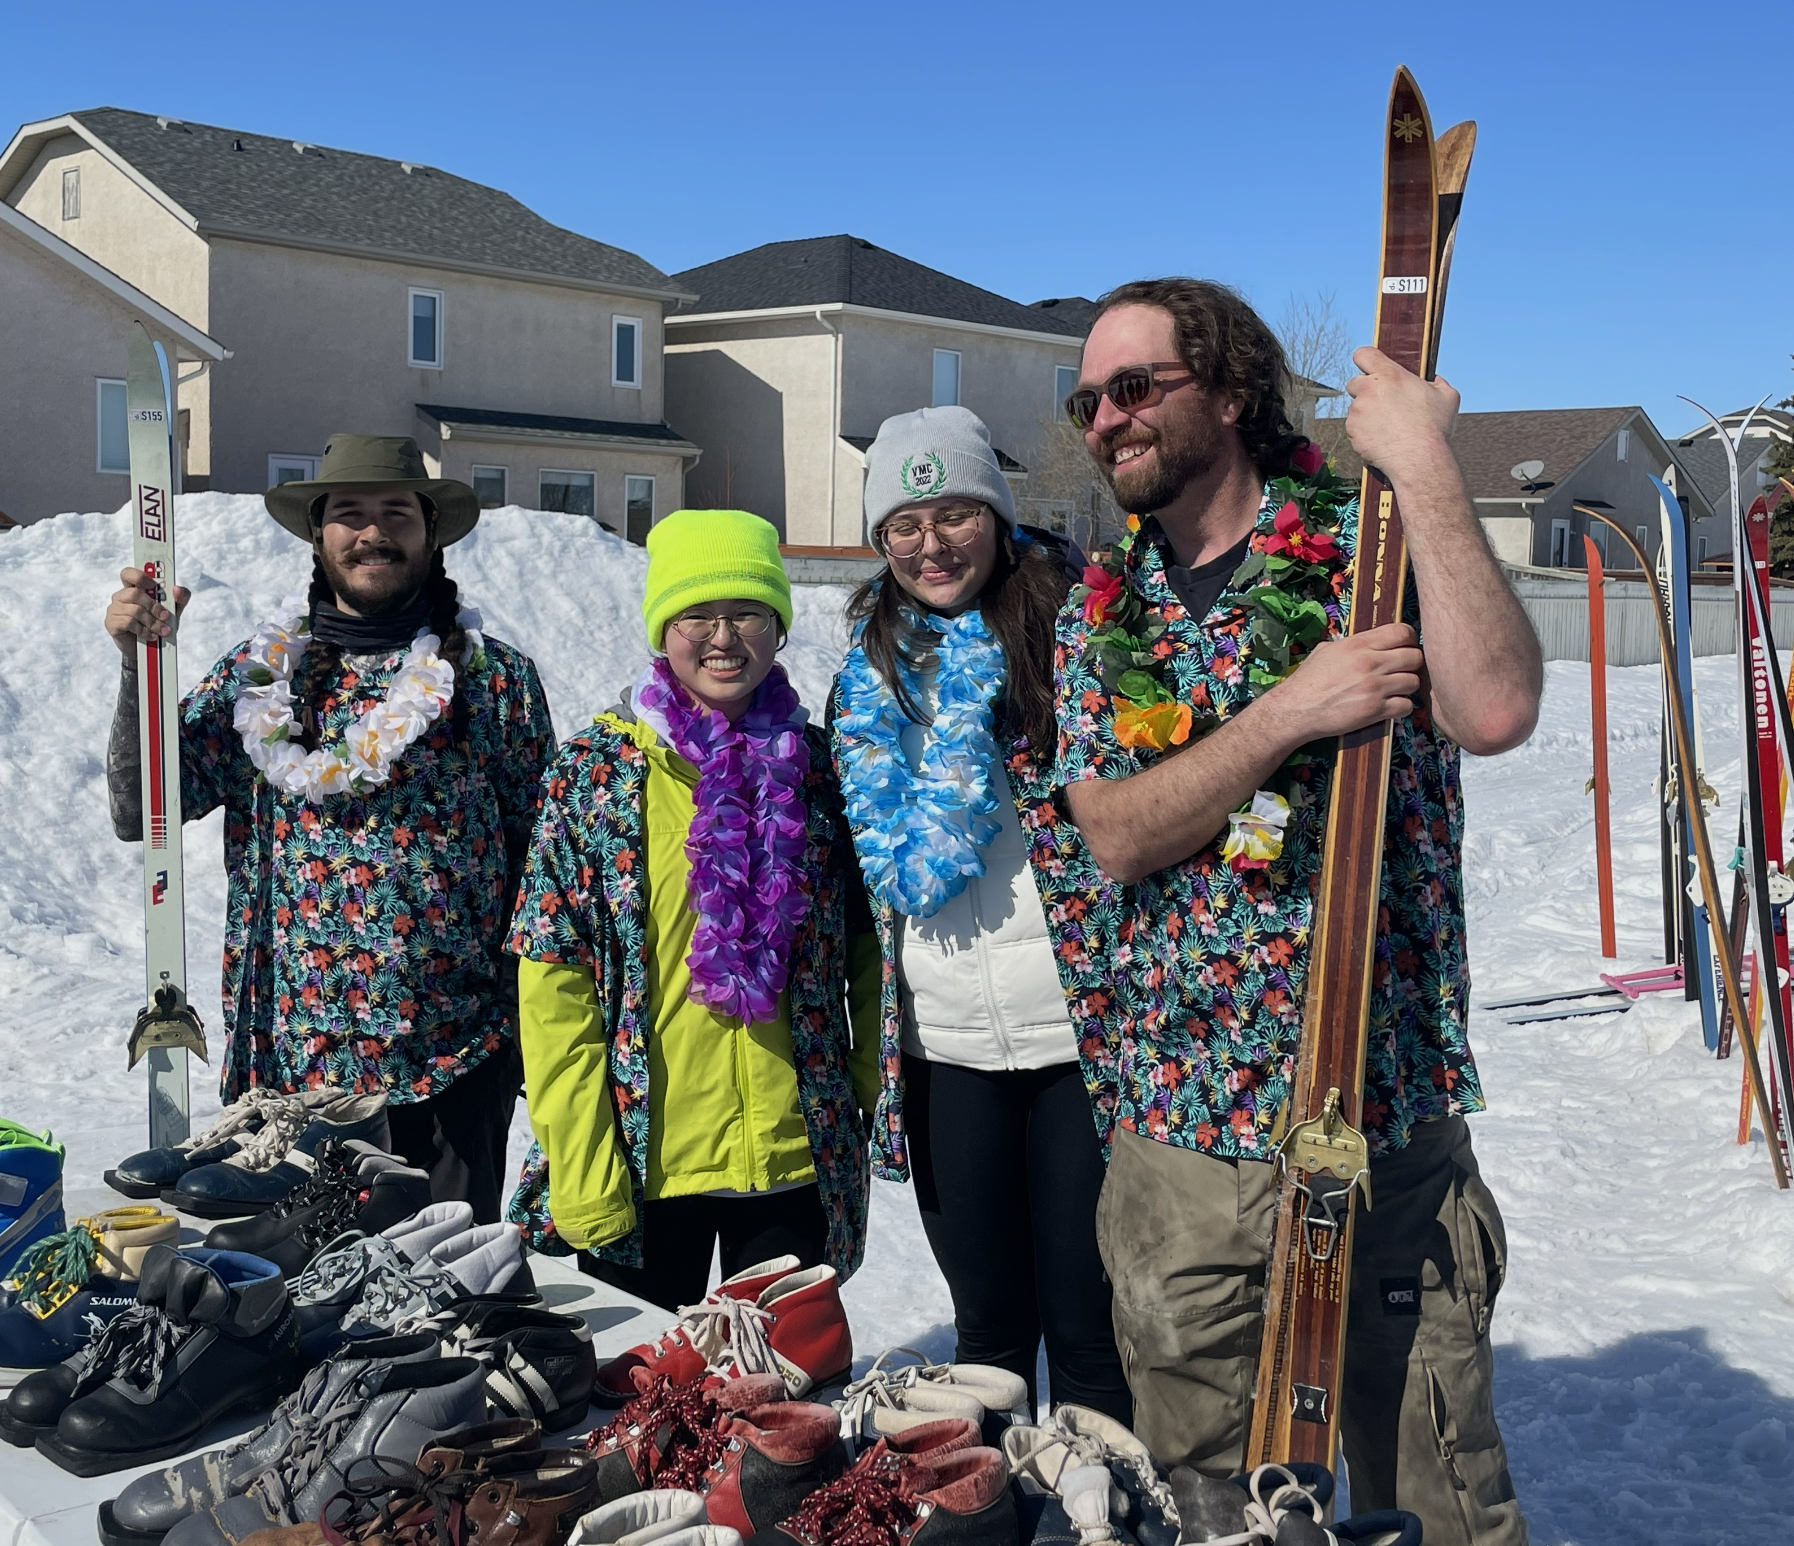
x,y
1455,148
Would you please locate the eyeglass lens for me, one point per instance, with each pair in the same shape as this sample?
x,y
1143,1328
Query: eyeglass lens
x,y
955,529
746,625
1126,389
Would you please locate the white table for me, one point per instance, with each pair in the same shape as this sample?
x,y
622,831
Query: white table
x,y
42,1505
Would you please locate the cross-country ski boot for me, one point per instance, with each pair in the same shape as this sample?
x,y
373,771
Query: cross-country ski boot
x,y
68,1288
30,1191
212,1332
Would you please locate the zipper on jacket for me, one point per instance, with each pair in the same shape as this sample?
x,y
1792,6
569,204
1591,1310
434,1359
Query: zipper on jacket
x,y
993,1010
745,1093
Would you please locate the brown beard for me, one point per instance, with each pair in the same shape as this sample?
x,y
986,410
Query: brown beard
x,y
1187,447
394,590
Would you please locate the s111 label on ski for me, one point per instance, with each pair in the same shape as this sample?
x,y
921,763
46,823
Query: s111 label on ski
x,y
1404,284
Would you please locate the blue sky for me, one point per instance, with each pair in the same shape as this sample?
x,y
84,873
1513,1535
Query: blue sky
x,y
1626,236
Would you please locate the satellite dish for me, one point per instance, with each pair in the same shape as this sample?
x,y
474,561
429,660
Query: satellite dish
x,y
1526,472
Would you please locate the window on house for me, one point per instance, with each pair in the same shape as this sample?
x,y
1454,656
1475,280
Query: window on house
x,y
626,351
492,485
71,193
1560,544
1643,533
1065,382
1700,555
946,378
574,492
426,328
291,469
114,440
1625,444
638,508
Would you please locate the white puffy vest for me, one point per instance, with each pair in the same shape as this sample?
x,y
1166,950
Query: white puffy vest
x,y
980,988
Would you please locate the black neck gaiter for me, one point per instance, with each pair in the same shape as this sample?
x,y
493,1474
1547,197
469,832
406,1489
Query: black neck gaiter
x,y
364,635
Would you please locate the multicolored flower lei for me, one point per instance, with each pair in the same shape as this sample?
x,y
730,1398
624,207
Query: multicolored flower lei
x,y
1293,557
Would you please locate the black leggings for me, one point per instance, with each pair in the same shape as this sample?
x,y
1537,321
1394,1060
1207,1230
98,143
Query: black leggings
x,y
459,1136
1007,1169
679,1234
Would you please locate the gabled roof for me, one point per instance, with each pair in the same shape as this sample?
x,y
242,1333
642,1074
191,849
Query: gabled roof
x,y
1765,422
226,182
844,270
191,344
1489,445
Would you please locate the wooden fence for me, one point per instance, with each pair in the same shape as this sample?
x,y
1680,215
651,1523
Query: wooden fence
x,y
1558,608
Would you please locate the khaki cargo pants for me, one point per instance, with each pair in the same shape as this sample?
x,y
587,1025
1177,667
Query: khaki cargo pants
x,y
1185,1238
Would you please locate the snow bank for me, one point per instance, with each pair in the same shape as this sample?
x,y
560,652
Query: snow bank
x,y
1645,1340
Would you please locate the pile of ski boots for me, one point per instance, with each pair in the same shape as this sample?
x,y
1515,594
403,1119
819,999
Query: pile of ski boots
x,y
130,1345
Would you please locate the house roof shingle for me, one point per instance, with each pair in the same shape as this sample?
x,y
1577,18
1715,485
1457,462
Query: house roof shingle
x,y
1075,309
1488,445
825,270
229,180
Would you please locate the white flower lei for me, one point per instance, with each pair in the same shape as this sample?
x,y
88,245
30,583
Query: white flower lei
x,y
421,688
921,833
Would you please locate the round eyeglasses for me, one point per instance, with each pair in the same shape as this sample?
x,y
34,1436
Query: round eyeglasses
x,y
750,623
903,536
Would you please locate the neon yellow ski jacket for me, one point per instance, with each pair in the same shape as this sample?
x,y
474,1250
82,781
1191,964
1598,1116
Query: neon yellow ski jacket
x,y
723,1106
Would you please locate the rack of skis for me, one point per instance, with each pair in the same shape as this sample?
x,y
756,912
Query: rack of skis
x,y
1725,939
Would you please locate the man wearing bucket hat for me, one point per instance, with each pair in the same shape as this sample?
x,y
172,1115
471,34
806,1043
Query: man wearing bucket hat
x,y
683,923
379,761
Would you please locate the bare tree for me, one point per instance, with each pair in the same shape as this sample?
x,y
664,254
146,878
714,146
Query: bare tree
x,y
1064,492
1319,348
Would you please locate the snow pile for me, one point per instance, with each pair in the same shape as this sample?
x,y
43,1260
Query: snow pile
x,y
1645,1340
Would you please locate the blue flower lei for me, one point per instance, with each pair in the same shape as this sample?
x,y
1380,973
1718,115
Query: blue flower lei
x,y
921,832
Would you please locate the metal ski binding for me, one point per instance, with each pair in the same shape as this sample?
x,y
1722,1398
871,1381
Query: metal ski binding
x,y
1781,887
1324,1158
168,1022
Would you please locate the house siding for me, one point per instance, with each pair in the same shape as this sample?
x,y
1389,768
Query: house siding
x,y
321,345
59,334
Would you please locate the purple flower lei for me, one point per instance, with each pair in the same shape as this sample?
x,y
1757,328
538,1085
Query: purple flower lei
x,y
747,840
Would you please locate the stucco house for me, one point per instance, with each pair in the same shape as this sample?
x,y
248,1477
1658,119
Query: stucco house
x,y
1602,457
382,296
1702,454
794,353
65,324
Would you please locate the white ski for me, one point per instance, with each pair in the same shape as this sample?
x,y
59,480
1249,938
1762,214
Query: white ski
x,y
166,1026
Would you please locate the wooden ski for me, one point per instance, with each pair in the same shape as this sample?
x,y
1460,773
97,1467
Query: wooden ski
x,y
166,1027
1598,785
1324,1158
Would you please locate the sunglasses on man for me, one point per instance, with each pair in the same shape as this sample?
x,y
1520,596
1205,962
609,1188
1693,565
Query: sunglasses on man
x,y
1131,387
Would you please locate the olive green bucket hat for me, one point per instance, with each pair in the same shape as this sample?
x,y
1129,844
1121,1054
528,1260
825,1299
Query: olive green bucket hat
x,y
388,461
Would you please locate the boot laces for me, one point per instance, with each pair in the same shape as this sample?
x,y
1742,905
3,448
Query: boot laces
x,y
1090,1449
399,1504
400,1296
51,1272
679,1426
135,1346
314,1435
337,1167
1275,1492
882,1387
864,1507
250,1108
734,1335
279,1131
340,1272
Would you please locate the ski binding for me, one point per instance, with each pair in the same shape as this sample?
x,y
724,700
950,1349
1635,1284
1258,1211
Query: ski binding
x,y
168,1022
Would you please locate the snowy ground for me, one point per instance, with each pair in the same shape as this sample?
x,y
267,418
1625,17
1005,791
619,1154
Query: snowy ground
x,y
1645,1340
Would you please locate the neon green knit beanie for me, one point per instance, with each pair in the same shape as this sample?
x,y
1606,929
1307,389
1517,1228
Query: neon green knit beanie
x,y
696,556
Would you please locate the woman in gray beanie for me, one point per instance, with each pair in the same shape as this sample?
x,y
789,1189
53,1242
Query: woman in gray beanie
x,y
997,1050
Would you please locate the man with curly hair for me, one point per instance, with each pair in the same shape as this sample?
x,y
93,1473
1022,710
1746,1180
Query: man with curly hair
x,y
1180,398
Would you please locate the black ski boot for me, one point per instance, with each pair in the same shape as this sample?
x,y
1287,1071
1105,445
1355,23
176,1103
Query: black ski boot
x,y
357,1190
213,1332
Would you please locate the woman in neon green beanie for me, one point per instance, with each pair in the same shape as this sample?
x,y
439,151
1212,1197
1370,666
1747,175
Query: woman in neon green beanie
x,y
684,925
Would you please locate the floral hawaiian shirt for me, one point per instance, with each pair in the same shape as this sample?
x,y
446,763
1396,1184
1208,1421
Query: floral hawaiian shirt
x,y
363,936
582,903
1209,964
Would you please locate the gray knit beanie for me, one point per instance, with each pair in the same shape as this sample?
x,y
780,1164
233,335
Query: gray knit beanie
x,y
929,454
